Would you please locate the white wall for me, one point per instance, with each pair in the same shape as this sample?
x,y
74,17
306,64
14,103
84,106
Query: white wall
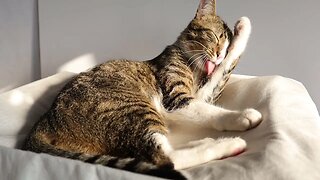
x,y
76,34
19,50
285,39
283,42
94,31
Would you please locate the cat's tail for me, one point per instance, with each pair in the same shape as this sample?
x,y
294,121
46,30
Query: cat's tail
x,y
128,164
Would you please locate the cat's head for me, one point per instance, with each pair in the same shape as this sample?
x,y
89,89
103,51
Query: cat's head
x,y
206,39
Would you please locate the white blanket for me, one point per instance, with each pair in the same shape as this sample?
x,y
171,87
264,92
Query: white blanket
x,y
286,145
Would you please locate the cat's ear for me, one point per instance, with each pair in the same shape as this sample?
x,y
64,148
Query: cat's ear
x,y
206,7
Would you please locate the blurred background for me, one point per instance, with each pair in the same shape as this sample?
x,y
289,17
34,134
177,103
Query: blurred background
x,y
41,38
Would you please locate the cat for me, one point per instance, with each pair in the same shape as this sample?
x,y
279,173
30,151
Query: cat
x,y
118,113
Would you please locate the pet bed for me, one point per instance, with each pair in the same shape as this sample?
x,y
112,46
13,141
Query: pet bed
x,y
286,145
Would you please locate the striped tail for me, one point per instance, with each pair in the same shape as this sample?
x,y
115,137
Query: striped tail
x,y
128,164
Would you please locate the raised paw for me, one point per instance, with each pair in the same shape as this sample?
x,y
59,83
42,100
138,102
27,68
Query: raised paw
x,y
242,30
243,26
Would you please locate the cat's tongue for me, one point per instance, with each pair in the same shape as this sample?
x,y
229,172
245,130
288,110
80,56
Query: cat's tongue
x,y
209,66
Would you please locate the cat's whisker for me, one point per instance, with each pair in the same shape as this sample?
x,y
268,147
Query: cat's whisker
x,y
200,56
202,52
206,49
197,54
201,62
194,60
195,50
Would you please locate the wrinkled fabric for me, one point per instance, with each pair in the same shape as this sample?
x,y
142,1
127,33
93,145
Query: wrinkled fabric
x,y
286,145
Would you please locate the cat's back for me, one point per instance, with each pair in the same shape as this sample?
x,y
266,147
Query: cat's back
x,y
111,79
117,73
93,103
107,85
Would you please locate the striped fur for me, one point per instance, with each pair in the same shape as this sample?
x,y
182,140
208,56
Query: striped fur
x,y
129,164
107,115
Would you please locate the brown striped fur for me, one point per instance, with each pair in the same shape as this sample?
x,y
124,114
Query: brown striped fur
x,y
107,114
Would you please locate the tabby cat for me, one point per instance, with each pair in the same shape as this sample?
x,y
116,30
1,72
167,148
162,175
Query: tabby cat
x,y
118,113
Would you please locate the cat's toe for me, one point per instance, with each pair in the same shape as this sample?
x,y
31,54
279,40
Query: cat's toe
x,y
243,26
232,146
251,118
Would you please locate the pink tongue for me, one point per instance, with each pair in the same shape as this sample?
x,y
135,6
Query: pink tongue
x,y
209,67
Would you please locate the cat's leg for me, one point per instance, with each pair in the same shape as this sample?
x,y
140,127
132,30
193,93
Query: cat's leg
x,y
213,88
219,118
203,114
201,151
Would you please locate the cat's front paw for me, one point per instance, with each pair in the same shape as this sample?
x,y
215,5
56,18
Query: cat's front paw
x,y
227,147
248,119
239,121
221,148
243,26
